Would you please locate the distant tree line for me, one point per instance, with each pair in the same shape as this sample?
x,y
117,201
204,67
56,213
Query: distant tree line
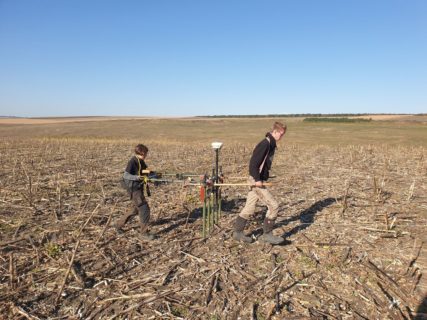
x,y
341,119
294,115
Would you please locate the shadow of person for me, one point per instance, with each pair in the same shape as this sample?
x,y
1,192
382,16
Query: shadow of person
x,y
179,220
306,217
227,206
230,205
421,313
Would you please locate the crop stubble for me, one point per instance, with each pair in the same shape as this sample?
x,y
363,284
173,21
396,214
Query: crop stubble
x,y
355,214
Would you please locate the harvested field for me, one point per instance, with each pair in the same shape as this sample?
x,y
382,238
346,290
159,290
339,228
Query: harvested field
x,y
56,120
355,216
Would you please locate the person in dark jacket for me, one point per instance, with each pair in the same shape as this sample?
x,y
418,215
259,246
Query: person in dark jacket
x,y
132,178
259,167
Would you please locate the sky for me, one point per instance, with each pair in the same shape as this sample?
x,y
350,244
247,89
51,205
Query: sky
x,y
189,58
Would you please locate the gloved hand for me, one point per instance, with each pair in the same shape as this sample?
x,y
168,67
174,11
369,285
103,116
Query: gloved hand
x,y
154,175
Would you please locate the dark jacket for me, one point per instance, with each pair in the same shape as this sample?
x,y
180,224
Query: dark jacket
x,y
264,150
134,165
131,176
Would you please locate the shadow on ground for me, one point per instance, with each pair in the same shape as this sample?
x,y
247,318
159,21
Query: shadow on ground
x,y
227,207
178,220
422,310
306,217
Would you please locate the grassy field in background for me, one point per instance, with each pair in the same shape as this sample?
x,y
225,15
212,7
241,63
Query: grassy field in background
x,y
245,130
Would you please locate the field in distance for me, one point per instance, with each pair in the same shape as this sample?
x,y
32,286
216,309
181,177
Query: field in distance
x,y
384,129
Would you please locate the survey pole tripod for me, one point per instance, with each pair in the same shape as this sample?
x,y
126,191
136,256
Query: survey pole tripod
x,y
210,194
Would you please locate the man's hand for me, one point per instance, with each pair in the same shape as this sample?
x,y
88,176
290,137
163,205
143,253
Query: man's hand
x,y
258,184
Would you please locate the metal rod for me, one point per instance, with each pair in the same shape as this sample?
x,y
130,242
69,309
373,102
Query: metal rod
x,y
229,184
204,218
215,184
216,165
241,184
212,222
219,204
166,180
181,174
208,218
215,213
242,178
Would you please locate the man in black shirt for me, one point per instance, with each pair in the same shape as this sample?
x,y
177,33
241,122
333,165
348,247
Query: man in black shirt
x,y
259,167
132,178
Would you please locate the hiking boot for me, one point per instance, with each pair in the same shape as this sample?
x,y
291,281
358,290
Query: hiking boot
x,y
271,238
238,234
268,236
145,235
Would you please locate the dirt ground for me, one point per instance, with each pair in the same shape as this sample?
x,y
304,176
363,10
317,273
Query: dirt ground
x,y
355,217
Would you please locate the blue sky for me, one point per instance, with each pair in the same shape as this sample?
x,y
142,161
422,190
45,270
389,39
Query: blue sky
x,y
183,58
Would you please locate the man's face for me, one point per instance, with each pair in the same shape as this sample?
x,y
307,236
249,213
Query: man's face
x,y
142,156
278,134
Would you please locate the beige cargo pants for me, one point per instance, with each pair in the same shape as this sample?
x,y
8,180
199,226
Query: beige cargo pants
x,y
265,197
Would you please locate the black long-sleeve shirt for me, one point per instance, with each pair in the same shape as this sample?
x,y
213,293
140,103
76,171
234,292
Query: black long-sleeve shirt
x,y
263,150
134,169
132,174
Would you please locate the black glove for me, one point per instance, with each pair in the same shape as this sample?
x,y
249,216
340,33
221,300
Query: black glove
x,y
154,175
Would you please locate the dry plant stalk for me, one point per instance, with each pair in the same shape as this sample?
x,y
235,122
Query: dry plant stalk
x,y
58,296
411,192
11,272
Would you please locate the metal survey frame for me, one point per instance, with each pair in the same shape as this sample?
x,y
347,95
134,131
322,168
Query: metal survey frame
x,y
210,194
210,189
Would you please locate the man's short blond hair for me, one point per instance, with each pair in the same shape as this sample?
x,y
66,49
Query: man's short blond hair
x,y
279,126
